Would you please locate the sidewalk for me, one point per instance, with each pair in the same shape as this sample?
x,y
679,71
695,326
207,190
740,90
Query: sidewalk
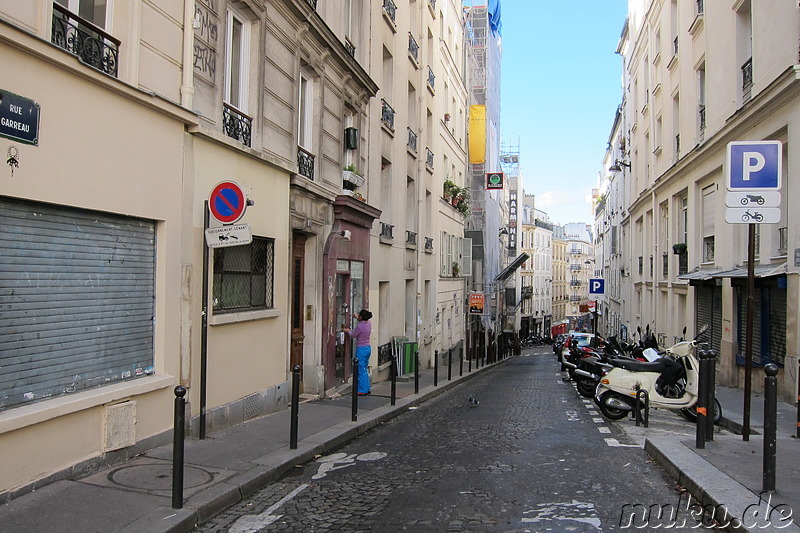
x,y
729,471
229,465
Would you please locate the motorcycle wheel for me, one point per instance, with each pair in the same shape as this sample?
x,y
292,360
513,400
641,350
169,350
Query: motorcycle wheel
x,y
612,413
586,387
690,413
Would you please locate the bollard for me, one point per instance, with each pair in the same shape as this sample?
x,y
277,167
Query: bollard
x,y
416,372
435,367
643,400
471,354
702,397
393,376
461,361
354,407
177,447
449,364
295,407
711,383
798,400
770,425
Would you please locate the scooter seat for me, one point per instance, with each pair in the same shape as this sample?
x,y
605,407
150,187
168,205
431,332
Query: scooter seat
x,y
639,366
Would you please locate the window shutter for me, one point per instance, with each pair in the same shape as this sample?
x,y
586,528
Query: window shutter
x,y
708,211
466,262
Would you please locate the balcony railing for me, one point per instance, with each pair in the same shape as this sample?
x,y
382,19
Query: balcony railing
x,y
677,145
783,240
412,140
428,157
387,230
575,283
665,265
432,3
411,238
413,47
350,47
683,264
641,265
431,78
574,298
574,266
387,115
391,10
700,7
305,163
747,75
675,47
236,124
312,3
702,113
80,37
429,245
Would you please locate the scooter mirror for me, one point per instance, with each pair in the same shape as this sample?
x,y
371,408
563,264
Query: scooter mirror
x,y
702,330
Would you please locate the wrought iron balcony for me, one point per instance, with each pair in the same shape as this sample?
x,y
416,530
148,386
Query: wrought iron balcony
x,y
350,47
305,163
702,113
675,46
429,245
387,231
412,140
677,145
700,7
665,266
574,298
387,115
80,37
413,47
574,266
429,157
575,283
312,3
391,10
431,78
432,3
747,75
411,238
236,124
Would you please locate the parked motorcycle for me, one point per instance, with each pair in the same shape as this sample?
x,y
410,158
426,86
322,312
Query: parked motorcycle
x,y
671,383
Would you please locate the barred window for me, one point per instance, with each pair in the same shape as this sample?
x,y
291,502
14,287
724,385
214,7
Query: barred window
x,y
243,276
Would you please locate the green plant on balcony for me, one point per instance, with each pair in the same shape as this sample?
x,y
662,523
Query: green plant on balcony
x,y
447,189
679,248
456,269
461,202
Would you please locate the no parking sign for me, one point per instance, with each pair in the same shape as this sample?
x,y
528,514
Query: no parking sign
x,y
227,202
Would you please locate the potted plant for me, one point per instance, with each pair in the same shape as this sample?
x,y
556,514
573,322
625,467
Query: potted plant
x,y
448,188
352,177
456,269
679,248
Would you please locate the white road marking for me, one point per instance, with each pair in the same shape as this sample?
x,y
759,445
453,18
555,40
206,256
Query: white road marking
x,y
256,522
575,511
604,429
598,420
343,460
614,443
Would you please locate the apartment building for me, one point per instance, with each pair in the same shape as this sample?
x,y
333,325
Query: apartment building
x,y
560,282
697,76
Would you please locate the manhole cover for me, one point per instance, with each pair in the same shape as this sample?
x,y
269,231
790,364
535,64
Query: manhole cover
x,y
157,477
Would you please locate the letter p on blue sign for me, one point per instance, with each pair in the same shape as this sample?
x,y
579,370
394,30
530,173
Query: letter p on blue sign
x,y
754,165
597,286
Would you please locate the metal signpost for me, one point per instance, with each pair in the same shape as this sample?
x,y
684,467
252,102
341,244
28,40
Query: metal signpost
x,y
596,286
753,178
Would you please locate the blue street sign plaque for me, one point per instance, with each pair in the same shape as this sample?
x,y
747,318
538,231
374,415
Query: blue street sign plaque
x,y
754,165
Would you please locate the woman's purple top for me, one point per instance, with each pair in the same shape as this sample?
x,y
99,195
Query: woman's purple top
x,y
362,333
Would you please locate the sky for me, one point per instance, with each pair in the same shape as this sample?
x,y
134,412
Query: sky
x,y
560,88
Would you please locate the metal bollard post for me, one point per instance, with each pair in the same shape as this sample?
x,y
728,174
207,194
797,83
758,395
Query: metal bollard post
x,y
798,400
177,447
711,383
461,361
393,375
471,354
354,407
435,367
295,407
449,364
416,372
702,397
770,425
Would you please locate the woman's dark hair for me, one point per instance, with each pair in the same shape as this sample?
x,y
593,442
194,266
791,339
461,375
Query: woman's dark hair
x,y
364,314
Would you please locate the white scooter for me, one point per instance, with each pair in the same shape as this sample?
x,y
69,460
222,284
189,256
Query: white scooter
x,y
670,381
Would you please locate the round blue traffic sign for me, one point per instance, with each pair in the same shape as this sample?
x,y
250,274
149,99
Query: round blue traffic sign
x,y
227,202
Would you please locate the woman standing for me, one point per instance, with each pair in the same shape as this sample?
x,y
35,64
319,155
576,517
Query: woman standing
x,y
363,349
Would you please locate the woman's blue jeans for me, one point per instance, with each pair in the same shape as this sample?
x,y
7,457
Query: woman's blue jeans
x,y
362,354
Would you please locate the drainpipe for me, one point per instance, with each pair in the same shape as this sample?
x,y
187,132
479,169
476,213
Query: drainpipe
x,y
187,78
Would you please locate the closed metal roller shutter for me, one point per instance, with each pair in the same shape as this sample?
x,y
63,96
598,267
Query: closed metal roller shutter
x,y
76,300
708,310
769,315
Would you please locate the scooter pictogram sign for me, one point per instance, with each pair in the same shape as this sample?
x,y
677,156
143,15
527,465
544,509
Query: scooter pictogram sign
x,y
227,202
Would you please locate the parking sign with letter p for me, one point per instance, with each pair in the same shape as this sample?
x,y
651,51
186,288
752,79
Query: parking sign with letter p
x,y
754,165
597,286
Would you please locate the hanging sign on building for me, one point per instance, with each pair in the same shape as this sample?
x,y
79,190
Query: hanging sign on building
x,y
476,303
494,181
19,118
512,223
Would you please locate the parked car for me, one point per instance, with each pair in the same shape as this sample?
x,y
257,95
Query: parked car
x,y
574,339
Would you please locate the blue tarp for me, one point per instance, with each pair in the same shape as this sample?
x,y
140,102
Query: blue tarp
x,y
494,16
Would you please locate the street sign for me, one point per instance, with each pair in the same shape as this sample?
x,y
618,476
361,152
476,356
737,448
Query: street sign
x,y
229,236
752,215
754,165
19,118
227,202
476,303
597,286
494,181
754,199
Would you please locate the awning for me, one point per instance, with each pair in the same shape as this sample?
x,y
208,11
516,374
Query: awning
x,y
515,264
700,274
759,271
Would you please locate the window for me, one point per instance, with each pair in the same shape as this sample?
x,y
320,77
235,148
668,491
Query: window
x,y
78,27
237,58
708,224
95,11
243,276
305,112
701,98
